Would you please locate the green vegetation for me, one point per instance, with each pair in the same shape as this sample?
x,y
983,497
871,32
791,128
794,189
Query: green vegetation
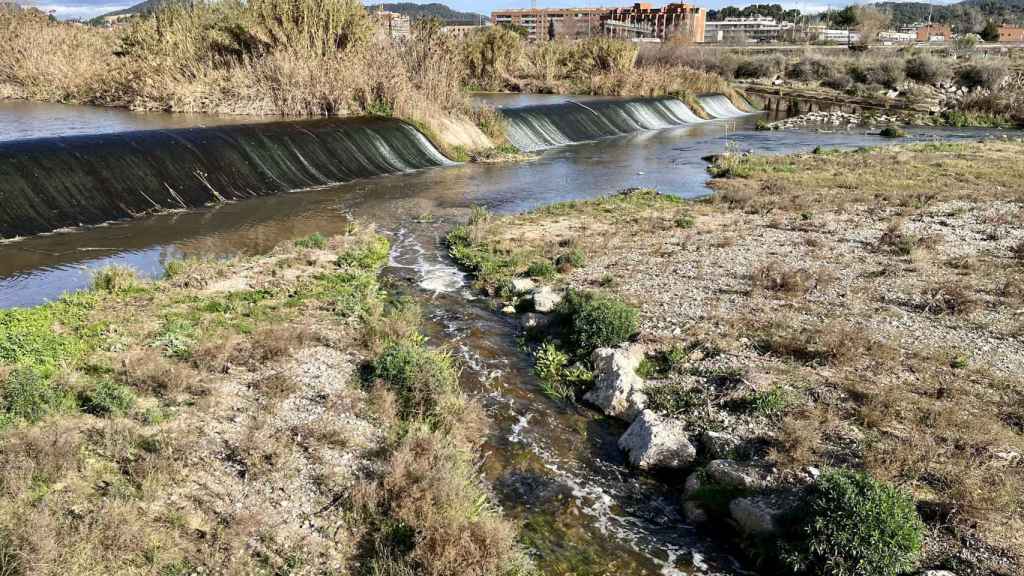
x,y
558,379
314,241
892,132
595,320
855,526
423,379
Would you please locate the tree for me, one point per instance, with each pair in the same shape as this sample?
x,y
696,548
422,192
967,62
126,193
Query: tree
x,y
990,33
870,21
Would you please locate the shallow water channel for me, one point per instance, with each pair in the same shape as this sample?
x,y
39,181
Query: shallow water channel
x,y
555,469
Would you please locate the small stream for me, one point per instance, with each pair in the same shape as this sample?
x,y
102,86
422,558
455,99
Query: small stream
x,y
555,469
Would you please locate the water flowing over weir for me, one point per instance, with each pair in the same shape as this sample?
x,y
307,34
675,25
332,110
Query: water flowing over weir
x,y
532,128
52,183
719,106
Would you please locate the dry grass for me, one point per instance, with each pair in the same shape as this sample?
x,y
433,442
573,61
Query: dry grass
x,y
309,58
952,299
154,374
777,277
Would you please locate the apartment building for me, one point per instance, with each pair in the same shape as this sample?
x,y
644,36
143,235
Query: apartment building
x,y
640,20
543,24
934,33
674,21
756,29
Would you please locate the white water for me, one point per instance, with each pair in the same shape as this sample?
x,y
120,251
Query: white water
x,y
719,106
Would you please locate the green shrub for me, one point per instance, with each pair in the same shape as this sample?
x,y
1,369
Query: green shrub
x,y
892,132
838,81
26,395
424,380
593,320
853,525
888,72
570,260
810,69
760,67
541,269
685,221
368,257
315,241
107,397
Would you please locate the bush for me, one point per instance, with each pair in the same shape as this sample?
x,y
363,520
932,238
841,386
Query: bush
x,y
570,260
26,395
424,380
853,525
760,67
988,75
810,69
107,397
892,132
541,269
927,69
838,81
594,320
888,72
115,280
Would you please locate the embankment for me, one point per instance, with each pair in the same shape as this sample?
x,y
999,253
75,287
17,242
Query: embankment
x,y
52,183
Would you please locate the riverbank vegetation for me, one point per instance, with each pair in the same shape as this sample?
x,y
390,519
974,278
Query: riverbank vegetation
x,y
835,332
267,415
315,57
965,87
312,58
498,59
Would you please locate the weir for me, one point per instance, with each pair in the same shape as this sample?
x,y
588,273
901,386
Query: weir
x,y
532,128
52,183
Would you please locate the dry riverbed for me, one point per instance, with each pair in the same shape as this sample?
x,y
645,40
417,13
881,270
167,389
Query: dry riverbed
x,y
859,311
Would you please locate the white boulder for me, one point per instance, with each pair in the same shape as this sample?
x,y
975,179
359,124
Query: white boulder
x,y
545,299
618,390
523,285
733,474
756,515
654,441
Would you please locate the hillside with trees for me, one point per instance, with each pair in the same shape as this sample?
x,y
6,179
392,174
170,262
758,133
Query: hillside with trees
x,y
434,10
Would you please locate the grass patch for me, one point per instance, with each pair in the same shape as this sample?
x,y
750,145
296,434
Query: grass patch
x,y
315,241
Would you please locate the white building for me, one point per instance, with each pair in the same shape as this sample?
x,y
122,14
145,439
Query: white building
x,y
890,37
744,30
839,36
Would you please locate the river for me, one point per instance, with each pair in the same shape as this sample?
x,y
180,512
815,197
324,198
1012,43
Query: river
x,y
556,469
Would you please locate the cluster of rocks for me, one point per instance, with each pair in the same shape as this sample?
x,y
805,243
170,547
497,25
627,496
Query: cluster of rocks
x,y
838,119
544,300
656,441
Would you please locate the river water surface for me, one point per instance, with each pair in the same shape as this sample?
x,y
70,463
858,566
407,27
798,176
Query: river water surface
x,y
556,469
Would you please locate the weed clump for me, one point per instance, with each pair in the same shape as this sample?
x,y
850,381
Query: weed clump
x,y
28,396
115,280
853,525
593,320
987,75
425,381
106,398
892,132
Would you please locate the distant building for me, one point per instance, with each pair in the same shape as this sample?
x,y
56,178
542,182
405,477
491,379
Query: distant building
x,y
674,21
462,30
638,21
543,24
890,37
395,24
761,29
1011,34
934,33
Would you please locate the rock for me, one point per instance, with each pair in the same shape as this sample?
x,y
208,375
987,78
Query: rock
x,y
694,512
692,485
545,299
756,514
523,285
654,441
510,310
618,390
937,573
736,475
533,320
719,445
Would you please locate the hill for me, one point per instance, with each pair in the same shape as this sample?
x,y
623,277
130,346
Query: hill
x,y
966,16
435,10
414,11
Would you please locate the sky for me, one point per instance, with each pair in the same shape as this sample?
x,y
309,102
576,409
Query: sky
x,y
85,9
